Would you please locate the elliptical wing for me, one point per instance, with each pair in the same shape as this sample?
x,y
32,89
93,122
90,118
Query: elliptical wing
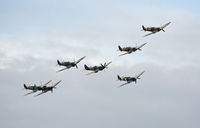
x,y
79,60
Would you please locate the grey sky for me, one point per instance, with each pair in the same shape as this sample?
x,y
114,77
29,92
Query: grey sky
x,y
35,34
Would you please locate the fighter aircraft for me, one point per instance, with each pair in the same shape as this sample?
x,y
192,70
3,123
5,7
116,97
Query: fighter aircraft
x,y
69,64
35,88
129,50
50,88
129,79
154,30
95,69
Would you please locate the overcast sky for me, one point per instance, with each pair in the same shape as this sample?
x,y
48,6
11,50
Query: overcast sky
x,y
34,34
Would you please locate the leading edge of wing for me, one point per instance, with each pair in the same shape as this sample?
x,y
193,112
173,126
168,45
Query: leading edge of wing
x,y
28,93
62,69
149,34
108,63
142,45
140,74
47,83
124,54
41,93
124,84
80,59
165,25
90,73
57,83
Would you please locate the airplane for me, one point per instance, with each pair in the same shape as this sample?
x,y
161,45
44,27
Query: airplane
x,y
35,88
129,79
129,50
50,88
154,30
69,64
95,69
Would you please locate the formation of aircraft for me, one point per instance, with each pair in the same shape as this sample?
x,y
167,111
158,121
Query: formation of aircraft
x,y
96,69
34,88
154,30
44,88
129,79
129,50
69,64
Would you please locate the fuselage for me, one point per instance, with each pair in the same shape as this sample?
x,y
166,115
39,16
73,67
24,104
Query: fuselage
x,y
34,88
45,88
128,79
129,49
38,88
68,64
152,29
97,68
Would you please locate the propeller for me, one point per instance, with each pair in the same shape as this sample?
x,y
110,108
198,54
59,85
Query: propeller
x,y
105,65
135,78
52,89
162,28
75,62
137,47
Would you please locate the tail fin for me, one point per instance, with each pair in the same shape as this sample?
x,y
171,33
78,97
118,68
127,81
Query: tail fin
x,y
58,62
119,78
86,67
120,48
25,86
143,28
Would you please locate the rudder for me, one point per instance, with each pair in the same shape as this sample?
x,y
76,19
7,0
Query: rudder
x,y
119,78
143,28
86,67
25,86
58,62
120,48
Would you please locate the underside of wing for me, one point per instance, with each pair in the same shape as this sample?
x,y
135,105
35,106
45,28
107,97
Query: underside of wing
x,y
47,83
124,84
62,69
57,83
90,73
41,93
29,93
140,74
124,54
80,60
149,34
141,45
165,25
108,63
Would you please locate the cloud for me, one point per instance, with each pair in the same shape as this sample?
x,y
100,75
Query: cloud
x,y
165,96
161,97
